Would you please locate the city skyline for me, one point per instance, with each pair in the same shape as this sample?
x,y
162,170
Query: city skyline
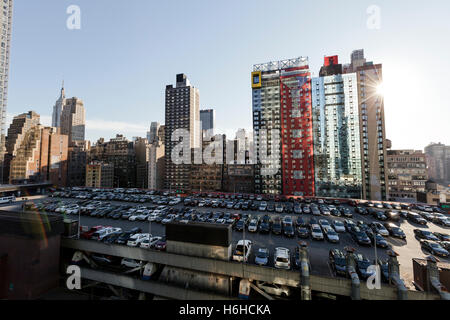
x,y
145,78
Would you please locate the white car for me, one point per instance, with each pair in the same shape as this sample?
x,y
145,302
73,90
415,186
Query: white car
x,y
241,247
339,226
279,208
379,228
152,217
137,239
143,216
130,263
167,219
282,258
324,223
253,226
103,233
133,217
274,289
331,235
316,232
149,242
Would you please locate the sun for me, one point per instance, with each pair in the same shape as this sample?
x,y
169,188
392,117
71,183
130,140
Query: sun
x,y
380,89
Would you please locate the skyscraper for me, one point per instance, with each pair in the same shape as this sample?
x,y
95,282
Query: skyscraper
x,y
372,126
182,112
17,131
207,117
337,147
5,43
282,123
438,161
58,108
73,120
152,135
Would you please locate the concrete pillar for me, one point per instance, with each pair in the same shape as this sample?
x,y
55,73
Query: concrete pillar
x,y
351,269
394,276
433,278
304,265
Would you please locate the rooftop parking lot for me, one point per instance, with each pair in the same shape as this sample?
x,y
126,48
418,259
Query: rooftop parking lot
x,y
268,224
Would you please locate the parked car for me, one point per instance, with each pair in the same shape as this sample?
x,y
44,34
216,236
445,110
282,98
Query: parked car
x,y
434,248
379,228
377,239
425,234
130,263
393,215
160,245
253,226
379,215
276,226
135,240
359,236
339,226
316,232
124,237
330,234
274,289
262,257
103,233
362,266
338,262
242,250
416,218
282,259
149,242
442,236
395,231
264,226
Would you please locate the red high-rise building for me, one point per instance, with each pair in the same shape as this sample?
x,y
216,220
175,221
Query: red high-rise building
x,y
282,101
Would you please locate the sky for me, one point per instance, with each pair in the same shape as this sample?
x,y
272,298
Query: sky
x,y
126,52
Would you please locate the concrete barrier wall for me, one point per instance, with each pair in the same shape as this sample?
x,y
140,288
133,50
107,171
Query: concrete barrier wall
x,y
199,250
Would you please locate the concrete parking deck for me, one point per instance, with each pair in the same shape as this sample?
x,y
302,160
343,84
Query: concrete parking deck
x,y
336,286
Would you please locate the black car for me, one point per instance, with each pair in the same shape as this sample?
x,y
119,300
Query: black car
x,y
384,268
338,262
445,245
362,210
124,237
378,214
395,231
335,212
442,236
393,215
416,218
425,234
434,248
277,227
380,241
112,238
264,226
240,225
363,264
359,236
346,212
288,230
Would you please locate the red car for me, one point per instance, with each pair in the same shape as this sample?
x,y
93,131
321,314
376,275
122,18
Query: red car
x,y
88,234
161,244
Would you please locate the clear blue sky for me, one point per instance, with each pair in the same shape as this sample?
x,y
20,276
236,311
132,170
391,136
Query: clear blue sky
x,y
128,51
